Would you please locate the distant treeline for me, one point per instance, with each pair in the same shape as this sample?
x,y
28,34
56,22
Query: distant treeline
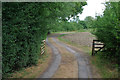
x,y
74,25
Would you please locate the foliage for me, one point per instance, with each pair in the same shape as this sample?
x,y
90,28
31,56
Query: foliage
x,y
25,25
65,26
89,21
69,26
108,30
82,24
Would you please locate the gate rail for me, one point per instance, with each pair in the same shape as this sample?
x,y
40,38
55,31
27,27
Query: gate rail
x,y
97,45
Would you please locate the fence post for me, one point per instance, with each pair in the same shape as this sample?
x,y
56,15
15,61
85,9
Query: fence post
x,y
43,47
93,48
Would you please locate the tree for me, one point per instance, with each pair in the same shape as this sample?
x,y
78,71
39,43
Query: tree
x,y
89,21
82,25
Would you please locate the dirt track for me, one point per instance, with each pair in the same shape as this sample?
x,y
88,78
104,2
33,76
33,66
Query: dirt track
x,y
54,64
69,63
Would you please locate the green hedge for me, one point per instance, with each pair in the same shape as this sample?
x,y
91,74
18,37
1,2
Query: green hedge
x,y
22,36
108,30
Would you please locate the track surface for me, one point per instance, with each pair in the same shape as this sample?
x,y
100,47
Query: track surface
x,y
84,70
55,62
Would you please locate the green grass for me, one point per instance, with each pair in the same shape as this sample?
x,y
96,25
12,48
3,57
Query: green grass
x,y
58,32
85,30
80,30
106,68
63,31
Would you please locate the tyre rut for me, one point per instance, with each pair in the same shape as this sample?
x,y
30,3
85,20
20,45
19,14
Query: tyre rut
x,y
56,60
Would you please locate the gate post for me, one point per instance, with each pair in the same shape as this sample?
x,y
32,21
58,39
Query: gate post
x,y
93,52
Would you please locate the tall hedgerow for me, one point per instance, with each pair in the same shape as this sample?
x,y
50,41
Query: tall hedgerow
x,y
108,30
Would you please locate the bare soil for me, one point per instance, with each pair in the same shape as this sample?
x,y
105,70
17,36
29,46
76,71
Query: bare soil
x,y
80,38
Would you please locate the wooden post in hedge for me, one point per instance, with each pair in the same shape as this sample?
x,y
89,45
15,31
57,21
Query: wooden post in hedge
x,y
93,51
43,47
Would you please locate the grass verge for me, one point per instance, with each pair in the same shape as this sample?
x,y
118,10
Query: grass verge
x,y
105,67
85,30
63,31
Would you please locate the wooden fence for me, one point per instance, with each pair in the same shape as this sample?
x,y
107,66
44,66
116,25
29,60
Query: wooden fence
x,y
43,47
97,46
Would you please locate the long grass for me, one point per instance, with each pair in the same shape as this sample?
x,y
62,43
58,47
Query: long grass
x,y
105,67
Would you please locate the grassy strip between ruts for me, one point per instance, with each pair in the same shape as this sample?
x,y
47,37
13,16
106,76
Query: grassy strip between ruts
x,y
36,70
105,67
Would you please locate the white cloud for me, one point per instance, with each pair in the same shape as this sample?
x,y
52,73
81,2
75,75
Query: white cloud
x,y
92,7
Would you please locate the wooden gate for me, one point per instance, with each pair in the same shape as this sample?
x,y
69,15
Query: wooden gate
x,y
97,46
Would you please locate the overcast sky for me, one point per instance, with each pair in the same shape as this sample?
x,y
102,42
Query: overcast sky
x,y
92,7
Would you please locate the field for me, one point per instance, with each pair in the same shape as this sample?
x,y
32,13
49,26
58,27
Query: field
x,y
80,38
